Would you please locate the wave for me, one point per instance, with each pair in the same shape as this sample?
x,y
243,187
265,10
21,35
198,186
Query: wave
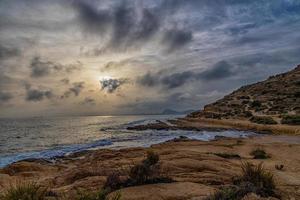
x,y
52,153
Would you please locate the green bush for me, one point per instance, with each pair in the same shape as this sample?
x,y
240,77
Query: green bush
x,y
291,119
25,191
259,153
262,120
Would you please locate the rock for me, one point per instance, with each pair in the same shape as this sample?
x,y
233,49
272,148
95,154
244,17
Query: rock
x,y
182,190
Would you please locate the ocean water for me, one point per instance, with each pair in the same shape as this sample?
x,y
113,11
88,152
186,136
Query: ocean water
x,y
57,136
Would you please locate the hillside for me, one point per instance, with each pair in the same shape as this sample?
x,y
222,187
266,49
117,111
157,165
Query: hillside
x,y
275,100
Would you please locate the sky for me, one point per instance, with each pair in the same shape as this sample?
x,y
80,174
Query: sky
x,y
110,57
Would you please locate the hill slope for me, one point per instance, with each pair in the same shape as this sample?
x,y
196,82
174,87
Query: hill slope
x,y
273,98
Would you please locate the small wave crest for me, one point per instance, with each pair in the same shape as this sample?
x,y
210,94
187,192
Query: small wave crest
x,y
52,153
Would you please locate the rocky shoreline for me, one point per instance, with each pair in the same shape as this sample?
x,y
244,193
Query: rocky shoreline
x,y
198,168
205,124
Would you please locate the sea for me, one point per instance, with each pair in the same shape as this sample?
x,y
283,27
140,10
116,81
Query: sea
x,y
51,137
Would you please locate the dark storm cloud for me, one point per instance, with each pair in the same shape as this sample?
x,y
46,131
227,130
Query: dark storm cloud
x,y
76,89
91,18
5,97
129,26
111,85
178,79
175,39
218,71
40,68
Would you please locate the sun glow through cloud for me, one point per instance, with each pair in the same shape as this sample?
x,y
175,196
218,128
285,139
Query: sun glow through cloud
x,y
138,57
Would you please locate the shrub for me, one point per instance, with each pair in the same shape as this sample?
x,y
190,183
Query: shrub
x,y
254,179
248,114
100,195
225,193
140,173
291,119
25,191
257,179
147,172
228,155
152,158
297,94
113,182
259,153
255,104
263,120
279,167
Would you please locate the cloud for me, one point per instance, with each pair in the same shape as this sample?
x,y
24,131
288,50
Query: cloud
x,y
110,85
5,97
65,81
218,71
76,89
175,39
88,101
129,26
91,18
40,68
36,95
7,52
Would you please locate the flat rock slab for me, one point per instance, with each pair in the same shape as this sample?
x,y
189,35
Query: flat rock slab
x,y
167,191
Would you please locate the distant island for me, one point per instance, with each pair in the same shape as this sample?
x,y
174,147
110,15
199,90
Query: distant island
x,y
174,112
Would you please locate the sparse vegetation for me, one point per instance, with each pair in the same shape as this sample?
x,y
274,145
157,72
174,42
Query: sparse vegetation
x,y
255,104
259,153
291,119
146,172
113,182
25,191
262,120
100,195
254,179
279,167
228,155
225,193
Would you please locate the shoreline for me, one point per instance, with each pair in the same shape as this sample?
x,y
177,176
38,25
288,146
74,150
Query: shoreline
x,y
189,162
202,124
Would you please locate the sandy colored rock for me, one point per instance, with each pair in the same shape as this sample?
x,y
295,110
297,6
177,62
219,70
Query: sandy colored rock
x,y
193,164
174,191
